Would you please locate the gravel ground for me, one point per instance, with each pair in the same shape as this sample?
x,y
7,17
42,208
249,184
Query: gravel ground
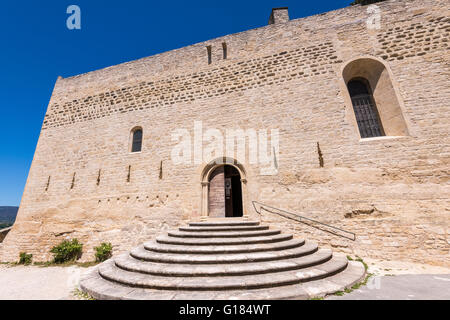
x,y
402,287
384,267
391,280
39,283
399,280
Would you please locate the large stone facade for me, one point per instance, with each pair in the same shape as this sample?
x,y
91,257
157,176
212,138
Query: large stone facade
x,y
392,191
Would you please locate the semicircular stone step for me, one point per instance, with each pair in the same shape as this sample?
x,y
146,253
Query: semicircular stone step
x,y
204,262
223,234
218,249
128,263
223,241
111,272
224,223
223,228
141,253
102,289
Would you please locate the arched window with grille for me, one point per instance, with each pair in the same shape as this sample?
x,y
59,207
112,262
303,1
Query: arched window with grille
x,y
136,143
366,112
374,95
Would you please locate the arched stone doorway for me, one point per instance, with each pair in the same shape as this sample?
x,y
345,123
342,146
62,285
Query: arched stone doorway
x,y
225,193
224,189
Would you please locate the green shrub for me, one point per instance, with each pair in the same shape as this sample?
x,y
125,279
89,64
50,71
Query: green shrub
x,y
103,252
67,251
25,258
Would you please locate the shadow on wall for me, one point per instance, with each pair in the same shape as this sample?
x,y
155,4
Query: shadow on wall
x,y
3,233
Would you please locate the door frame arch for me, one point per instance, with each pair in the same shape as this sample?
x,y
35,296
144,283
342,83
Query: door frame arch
x,y
206,174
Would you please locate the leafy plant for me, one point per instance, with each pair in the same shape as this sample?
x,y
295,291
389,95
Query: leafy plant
x,y
25,258
47,264
362,261
103,252
82,295
67,251
359,284
363,283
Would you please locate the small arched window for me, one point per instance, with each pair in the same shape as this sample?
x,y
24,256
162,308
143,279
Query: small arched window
x,y
366,112
136,144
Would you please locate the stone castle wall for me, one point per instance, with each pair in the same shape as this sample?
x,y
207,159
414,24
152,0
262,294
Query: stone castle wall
x,y
393,192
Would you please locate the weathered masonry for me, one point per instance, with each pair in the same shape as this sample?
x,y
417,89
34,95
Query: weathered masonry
x,y
363,120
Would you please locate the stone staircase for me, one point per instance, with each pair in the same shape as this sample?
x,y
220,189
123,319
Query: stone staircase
x,y
223,260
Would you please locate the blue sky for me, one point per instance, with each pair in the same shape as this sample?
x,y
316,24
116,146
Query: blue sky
x,y
36,47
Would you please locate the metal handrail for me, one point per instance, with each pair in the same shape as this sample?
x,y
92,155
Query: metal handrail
x,y
300,219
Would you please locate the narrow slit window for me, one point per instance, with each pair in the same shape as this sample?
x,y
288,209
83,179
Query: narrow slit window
x,y
225,53
209,49
136,145
366,112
